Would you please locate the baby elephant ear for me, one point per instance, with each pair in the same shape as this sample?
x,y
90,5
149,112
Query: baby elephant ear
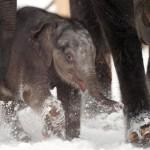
x,y
42,41
36,30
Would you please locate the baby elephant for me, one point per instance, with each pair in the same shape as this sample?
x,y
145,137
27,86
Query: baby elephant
x,y
48,49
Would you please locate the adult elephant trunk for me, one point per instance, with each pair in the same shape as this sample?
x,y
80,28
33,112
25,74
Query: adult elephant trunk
x,y
7,30
95,91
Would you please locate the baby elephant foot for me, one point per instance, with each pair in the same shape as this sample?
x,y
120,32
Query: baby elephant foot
x,y
139,134
20,135
16,129
53,117
18,132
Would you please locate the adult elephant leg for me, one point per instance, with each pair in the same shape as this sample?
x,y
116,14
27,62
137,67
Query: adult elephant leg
x,y
36,94
130,69
83,11
7,30
127,55
71,101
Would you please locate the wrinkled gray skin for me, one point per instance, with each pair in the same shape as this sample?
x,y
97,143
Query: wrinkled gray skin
x,y
48,50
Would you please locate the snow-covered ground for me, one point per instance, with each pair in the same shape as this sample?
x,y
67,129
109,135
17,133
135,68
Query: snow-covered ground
x,y
102,132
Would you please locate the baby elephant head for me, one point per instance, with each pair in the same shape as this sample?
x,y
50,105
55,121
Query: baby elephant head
x,y
69,46
74,55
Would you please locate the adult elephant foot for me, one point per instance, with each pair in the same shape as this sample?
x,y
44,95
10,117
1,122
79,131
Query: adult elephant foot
x,y
139,130
141,137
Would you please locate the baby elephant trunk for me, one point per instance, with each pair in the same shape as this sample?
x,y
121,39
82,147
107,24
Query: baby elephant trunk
x,y
94,90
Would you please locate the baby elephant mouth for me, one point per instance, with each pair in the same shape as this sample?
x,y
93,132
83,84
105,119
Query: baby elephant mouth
x,y
82,85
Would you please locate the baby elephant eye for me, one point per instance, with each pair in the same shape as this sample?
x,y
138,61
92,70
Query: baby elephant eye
x,y
69,57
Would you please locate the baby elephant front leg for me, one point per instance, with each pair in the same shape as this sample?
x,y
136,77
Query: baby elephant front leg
x,y
53,118
40,99
11,109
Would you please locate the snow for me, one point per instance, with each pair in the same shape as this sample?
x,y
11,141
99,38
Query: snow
x,y
102,132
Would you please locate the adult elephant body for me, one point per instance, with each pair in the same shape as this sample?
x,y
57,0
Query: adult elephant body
x,y
7,30
115,23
